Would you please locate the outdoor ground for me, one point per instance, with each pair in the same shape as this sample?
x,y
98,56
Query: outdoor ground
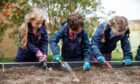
x,y
97,75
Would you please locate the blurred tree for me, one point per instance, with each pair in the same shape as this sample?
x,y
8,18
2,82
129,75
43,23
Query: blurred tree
x,y
58,10
56,13
13,12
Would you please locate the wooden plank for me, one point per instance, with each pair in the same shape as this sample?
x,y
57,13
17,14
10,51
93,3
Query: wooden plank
x,y
74,64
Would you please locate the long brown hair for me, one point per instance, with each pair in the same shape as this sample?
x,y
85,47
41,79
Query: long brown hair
x,y
113,23
33,14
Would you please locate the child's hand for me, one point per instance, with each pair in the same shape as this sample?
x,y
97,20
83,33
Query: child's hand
x,y
101,59
127,61
56,58
39,54
86,66
43,58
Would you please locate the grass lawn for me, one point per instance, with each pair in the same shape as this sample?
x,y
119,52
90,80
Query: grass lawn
x,y
118,56
9,59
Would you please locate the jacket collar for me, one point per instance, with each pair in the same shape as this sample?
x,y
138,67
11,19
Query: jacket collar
x,y
30,30
66,28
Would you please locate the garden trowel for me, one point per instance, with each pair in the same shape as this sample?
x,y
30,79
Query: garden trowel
x,y
65,66
44,65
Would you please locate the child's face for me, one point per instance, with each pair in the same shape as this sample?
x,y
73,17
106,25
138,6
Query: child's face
x,y
76,31
37,24
117,32
117,28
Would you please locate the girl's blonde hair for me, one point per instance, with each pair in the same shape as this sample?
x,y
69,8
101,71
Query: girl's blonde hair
x,y
34,14
121,27
120,23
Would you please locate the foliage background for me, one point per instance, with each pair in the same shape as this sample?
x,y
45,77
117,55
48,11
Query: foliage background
x,y
13,11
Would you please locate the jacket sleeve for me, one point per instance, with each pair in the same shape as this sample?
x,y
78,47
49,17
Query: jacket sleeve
x,y
96,39
54,41
44,43
87,53
138,54
126,47
31,47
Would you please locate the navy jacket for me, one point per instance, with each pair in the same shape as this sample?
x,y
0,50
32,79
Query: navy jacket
x,y
35,43
138,54
77,50
98,47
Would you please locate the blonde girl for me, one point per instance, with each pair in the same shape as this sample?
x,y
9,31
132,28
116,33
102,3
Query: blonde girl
x,y
33,37
105,39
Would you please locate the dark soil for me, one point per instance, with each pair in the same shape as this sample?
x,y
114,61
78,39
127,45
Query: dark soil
x,y
97,75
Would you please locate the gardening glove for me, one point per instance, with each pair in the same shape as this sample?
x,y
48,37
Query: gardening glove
x,y
101,59
39,54
127,61
43,58
56,58
86,66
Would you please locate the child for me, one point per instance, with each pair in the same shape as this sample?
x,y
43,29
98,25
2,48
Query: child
x,y
33,38
106,37
138,54
75,41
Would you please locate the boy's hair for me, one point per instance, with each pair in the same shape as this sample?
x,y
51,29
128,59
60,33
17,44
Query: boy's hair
x,y
75,21
119,27
34,13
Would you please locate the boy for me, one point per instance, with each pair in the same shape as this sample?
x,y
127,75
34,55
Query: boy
x,y
75,41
